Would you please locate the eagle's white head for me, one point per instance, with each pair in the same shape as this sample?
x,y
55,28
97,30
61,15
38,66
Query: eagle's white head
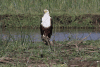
x,y
46,11
46,22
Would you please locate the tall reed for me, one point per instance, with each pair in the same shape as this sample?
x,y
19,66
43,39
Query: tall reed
x,y
55,6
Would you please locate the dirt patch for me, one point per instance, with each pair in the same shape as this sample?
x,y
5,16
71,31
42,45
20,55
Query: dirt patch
x,y
77,62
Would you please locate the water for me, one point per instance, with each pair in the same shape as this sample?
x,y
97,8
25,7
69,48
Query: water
x,y
58,34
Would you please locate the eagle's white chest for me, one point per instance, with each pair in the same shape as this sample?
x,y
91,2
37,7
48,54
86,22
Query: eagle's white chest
x,y
46,22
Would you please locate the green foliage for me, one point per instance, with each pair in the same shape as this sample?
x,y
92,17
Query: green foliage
x,y
30,52
28,13
21,21
87,22
37,6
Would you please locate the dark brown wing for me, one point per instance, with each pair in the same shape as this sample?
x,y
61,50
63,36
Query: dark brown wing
x,y
51,27
41,29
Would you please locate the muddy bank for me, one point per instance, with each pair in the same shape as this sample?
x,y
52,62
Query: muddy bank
x,y
59,21
81,21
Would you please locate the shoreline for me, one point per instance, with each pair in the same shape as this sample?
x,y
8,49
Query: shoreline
x,y
60,21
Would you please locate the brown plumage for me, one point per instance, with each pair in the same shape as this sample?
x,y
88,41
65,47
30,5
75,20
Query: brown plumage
x,y
46,26
46,31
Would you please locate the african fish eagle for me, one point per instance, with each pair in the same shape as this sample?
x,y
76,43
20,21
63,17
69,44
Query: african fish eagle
x,y
46,25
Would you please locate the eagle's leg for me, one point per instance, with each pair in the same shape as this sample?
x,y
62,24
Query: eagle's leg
x,y
44,39
48,40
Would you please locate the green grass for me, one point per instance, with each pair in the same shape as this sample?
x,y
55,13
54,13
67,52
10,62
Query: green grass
x,y
28,53
16,21
63,6
28,13
33,21
65,13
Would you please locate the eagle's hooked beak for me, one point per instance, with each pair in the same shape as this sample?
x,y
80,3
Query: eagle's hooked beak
x,y
45,10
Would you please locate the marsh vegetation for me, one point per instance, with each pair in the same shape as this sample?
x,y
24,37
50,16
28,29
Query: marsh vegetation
x,y
18,53
73,14
70,13
23,51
